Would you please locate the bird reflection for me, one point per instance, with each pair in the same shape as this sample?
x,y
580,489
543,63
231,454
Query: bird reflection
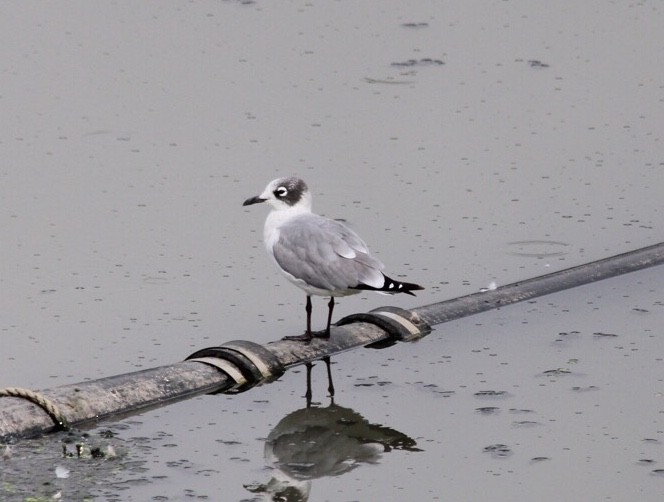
x,y
314,442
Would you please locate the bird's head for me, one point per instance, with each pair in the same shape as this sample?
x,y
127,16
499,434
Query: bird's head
x,y
284,193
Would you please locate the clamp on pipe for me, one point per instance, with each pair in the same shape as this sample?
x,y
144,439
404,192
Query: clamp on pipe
x,y
247,363
401,325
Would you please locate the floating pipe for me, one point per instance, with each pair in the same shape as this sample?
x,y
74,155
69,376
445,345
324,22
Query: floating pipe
x,y
568,278
239,365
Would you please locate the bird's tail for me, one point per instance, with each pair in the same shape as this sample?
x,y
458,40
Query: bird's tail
x,y
392,287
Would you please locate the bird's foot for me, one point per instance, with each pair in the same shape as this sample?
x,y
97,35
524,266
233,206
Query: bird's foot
x,y
323,333
308,336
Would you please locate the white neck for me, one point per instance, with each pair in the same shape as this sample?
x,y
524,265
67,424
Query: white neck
x,y
278,217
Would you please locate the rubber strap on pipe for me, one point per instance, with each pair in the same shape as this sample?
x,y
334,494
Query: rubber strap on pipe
x,y
229,368
262,358
401,325
255,363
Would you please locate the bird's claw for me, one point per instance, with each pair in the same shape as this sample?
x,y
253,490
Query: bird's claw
x,y
308,336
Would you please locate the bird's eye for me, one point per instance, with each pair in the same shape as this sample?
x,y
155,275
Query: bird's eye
x,y
281,192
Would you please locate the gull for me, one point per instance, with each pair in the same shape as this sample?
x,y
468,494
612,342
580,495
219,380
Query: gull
x,y
323,257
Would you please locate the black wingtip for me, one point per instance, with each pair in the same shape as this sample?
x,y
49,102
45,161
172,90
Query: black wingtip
x,y
410,291
409,287
393,287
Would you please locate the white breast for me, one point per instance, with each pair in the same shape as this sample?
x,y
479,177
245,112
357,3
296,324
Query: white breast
x,y
273,222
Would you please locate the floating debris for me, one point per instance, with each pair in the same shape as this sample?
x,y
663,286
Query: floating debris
x,y
110,452
492,286
61,472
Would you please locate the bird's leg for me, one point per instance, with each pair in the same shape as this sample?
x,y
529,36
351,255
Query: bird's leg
x,y
325,333
308,309
330,307
308,335
330,385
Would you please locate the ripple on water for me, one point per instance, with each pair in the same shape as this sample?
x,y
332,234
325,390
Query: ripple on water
x,y
538,248
524,424
419,62
488,410
434,388
599,334
519,411
498,450
371,382
557,372
585,389
492,394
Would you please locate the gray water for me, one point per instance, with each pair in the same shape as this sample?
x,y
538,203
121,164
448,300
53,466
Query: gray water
x,y
469,143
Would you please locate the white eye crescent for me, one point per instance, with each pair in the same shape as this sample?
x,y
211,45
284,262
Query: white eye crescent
x,y
281,192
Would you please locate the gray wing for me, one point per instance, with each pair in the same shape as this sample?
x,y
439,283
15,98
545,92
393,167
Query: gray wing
x,y
326,254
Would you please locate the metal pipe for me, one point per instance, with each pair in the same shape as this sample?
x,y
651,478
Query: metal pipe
x,y
237,366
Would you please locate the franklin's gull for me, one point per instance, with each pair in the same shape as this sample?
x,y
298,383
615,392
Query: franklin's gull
x,y
323,257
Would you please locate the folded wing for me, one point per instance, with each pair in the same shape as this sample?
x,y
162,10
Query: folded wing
x,y
326,254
